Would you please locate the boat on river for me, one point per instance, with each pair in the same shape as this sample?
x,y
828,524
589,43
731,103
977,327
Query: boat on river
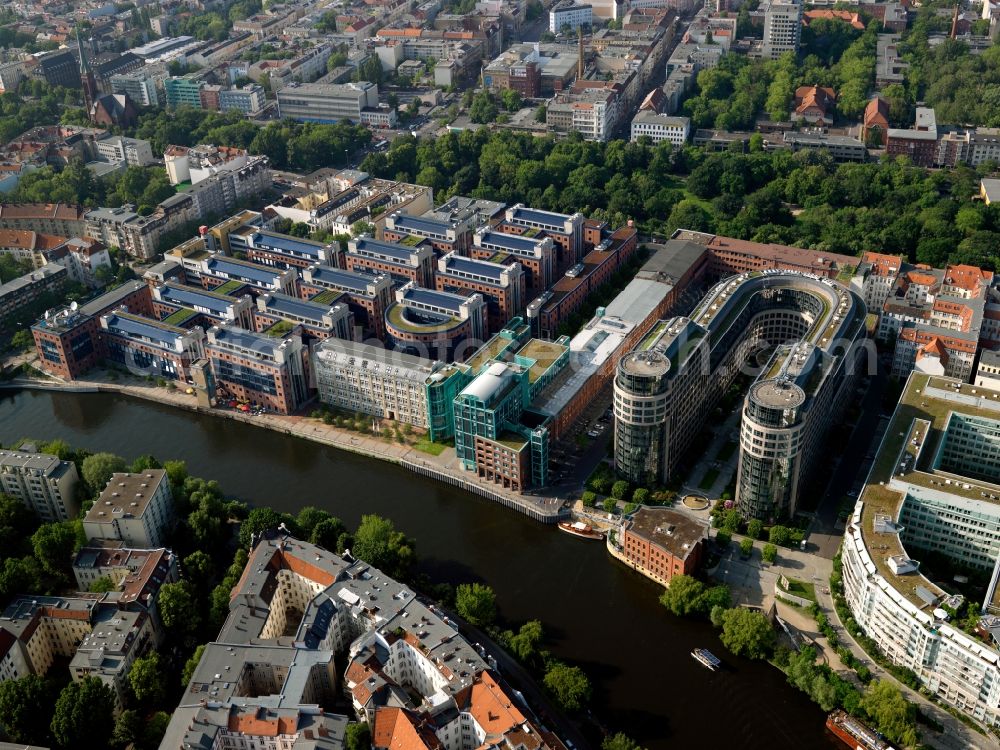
x,y
706,658
855,733
580,529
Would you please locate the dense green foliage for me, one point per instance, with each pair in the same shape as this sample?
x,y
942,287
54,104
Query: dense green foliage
x,y
568,685
82,718
687,597
746,632
889,206
477,603
26,709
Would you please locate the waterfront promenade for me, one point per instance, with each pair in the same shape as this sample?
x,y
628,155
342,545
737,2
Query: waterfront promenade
x,y
444,467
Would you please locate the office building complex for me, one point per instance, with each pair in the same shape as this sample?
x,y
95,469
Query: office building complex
x,y
277,314
151,348
435,324
44,483
139,86
404,263
137,509
368,295
932,487
445,233
258,369
327,102
387,384
19,295
502,285
664,389
565,230
537,255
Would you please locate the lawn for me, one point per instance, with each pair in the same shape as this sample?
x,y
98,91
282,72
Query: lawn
x,y
726,450
425,445
709,479
802,588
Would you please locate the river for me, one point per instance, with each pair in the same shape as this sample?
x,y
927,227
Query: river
x,y
597,613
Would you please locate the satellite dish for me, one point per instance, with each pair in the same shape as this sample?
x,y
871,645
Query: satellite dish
x,y
73,306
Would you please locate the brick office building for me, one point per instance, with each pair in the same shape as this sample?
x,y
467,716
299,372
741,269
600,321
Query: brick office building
x,y
662,543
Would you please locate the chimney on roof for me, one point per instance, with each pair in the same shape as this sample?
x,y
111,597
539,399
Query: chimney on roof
x,y
579,62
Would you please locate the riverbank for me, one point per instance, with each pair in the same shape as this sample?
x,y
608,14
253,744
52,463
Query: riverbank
x,y
444,467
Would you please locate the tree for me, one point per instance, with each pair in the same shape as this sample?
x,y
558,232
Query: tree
x,y
477,603
746,546
259,521
511,100
54,545
22,340
620,741
179,608
640,496
17,524
484,109
588,499
327,533
25,709
103,585
769,553
156,727
541,113
199,569
610,505
732,520
307,519
524,644
683,597
357,736
779,535
191,665
892,713
128,728
98,468
619,489
147,679
754,528
569,686
377,542
747,633
83,715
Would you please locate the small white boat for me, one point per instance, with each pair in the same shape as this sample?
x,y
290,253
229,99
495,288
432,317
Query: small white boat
x,y
580,529
707,658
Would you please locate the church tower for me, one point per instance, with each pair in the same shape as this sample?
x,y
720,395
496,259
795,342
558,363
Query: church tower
x,y
87,79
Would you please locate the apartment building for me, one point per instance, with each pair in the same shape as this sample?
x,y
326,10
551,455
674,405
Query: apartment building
x,y
402,262
662,543
405,648
137,575
20,295
936,318
932,487
782,27
327,102
44,483
133,152
367,295
569,15
387,384
45,218
139,86
248,99
594,112
919,143
26,246
434,324
502,285
257,369
676,374
660,127
137,509
96,637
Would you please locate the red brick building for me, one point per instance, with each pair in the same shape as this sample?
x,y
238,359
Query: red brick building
x,y
662,543
875,130
69,342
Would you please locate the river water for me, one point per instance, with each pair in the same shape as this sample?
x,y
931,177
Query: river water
x,y
597,613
